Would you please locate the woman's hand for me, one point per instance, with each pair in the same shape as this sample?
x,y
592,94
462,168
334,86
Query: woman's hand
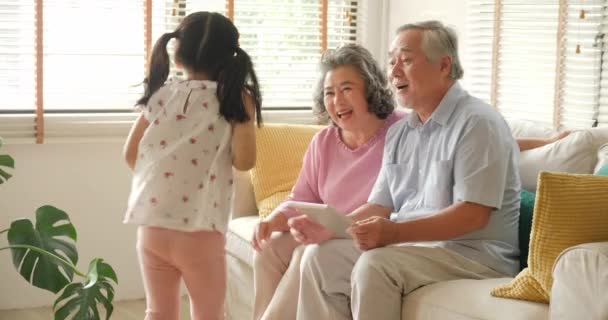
x,y
276,221
306,231
373,232
261,233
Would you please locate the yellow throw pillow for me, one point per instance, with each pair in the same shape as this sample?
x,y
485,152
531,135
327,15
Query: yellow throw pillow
x,y
280,152
570,209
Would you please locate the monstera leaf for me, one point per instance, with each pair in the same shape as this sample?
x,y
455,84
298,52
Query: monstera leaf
x,y
6,161
43,255
81,300
46,256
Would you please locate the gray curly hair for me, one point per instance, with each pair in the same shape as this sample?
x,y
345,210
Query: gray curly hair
x,y
379,96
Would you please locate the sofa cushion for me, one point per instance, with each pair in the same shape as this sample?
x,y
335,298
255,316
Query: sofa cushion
x,y
569,210
580,281
266,205
526,210
238,238
239,260
529,129
468,299
575,153
280,151
243,199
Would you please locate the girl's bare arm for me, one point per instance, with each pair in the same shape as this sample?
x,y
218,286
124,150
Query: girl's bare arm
x,y
131,147
243,139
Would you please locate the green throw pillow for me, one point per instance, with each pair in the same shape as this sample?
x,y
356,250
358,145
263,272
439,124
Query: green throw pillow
x,y
603,171
526,210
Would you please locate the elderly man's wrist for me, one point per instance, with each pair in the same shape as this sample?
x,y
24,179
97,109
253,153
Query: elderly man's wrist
x,y
392,233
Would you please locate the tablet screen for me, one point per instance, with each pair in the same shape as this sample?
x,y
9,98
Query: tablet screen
x,y
325,215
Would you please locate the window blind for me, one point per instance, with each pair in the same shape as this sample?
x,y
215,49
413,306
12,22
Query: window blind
x,y
90,61
480,36
285,53
579,99
601,40
527,42
17,68
93,66
522,58
17,54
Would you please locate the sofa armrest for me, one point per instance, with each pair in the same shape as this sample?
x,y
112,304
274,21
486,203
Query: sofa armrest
x,y
243,199
580,283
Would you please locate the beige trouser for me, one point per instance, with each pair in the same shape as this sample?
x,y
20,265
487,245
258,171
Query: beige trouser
x,y
380,278
276,278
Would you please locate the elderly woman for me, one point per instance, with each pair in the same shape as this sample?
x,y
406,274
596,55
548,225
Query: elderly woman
x,y
340,167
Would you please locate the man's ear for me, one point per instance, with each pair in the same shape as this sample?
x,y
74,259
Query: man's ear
x,y
446,65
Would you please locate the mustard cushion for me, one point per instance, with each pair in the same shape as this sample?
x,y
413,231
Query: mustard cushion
x,y
280,151
570,209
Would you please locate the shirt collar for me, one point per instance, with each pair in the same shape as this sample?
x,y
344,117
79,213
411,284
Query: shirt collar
x,y
445,108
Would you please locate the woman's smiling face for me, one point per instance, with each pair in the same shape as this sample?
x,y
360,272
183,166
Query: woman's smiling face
x,y
344,97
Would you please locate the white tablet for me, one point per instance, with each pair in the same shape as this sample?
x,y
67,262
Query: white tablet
x,y
325,215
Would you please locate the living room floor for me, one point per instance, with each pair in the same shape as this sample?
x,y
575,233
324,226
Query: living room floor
x,y
123,310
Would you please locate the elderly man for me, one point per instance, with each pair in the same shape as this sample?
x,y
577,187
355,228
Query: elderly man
x,y
446,202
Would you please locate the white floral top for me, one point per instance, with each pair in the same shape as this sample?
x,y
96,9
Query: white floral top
x,y
183,175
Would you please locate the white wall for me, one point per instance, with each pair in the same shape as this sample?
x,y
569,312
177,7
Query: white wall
x,y
450,12
88,181
91,183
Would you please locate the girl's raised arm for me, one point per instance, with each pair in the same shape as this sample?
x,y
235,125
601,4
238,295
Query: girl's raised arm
x,y
131,147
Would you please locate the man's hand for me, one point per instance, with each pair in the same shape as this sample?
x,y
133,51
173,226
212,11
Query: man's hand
x,y
373,232
306,231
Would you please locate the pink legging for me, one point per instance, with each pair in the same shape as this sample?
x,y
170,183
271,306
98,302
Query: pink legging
x,y
166,256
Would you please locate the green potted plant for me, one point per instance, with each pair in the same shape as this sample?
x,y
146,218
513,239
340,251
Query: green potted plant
x,y
45,255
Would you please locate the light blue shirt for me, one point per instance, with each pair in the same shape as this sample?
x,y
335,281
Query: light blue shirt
x,y
464,152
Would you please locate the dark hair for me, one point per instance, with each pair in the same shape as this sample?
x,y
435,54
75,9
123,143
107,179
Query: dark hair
x,y
208,42
379,96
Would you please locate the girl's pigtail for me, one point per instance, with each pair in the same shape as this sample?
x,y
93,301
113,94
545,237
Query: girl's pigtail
x,y
232,81
158,71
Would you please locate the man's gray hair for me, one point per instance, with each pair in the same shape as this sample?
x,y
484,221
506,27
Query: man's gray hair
x,y
438,40
379,96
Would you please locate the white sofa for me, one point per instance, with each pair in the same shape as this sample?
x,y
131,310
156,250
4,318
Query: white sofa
x,y
464,299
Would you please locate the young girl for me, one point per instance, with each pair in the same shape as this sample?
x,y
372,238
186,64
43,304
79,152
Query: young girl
x,y
181,149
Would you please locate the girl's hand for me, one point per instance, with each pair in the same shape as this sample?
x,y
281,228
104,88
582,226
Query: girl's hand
x,y
306,231
373,232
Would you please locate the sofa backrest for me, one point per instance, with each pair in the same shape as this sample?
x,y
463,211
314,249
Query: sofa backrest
x,y
577,153
584,152
280,152
243,199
